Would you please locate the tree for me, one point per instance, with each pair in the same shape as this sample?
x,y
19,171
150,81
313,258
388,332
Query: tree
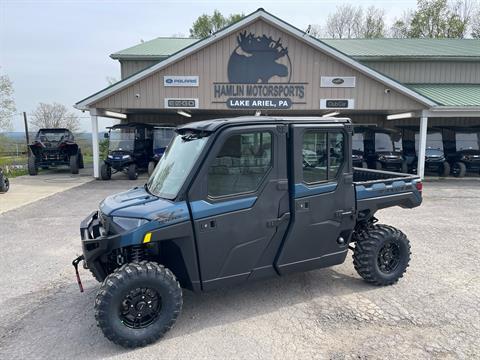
x,y
208,24
374,23
476,25
401,26
7,104
54,116
346,22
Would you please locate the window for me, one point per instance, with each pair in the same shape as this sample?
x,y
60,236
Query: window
x,y
323,155
241,164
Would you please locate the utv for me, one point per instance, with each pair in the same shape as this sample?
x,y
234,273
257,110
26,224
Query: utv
x,y
233,201
435,160
383,148
358,151
129,150
53,147
462,147
161,138
4,182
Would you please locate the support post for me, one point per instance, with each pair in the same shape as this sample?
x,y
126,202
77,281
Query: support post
x,y
95,147
422,145
26,131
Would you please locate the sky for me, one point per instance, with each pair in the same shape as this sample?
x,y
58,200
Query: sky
x,y
58,51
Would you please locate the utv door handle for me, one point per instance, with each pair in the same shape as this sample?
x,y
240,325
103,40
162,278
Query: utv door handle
x,y
342,213
277,222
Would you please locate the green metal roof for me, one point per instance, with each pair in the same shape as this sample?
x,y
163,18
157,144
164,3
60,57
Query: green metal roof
x,y
154,49
450,94
365,49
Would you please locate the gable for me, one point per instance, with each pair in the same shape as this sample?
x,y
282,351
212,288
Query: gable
x,y
291,82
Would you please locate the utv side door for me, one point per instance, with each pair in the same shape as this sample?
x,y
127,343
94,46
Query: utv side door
x,y
239,204
323,199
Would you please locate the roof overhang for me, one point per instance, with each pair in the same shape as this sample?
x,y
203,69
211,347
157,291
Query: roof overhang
x,y
269,18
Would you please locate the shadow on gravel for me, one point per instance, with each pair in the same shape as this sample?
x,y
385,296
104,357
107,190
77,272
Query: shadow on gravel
x,y
69,330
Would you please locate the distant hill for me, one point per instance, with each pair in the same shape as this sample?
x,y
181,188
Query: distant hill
x,y
18,136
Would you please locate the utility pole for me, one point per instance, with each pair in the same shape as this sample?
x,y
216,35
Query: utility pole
x,y
26,131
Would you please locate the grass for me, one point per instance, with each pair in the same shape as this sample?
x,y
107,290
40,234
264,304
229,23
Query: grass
x,y
14,165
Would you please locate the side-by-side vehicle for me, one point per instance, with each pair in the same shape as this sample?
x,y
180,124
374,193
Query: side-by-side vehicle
x,y
162,135
237,200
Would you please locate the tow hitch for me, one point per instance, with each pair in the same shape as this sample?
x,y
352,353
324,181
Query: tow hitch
x,y
75,265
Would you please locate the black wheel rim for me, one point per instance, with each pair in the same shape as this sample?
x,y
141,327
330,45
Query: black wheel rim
x,y
140,308
388,257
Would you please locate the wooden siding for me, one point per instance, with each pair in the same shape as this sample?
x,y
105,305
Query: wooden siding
x,y
129,67
421,72
210,63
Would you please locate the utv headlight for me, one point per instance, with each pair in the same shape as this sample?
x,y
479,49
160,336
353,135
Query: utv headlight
x,y
110,156
128,223
381,157
125,157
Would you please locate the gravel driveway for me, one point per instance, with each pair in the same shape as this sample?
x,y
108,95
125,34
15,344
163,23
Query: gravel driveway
x,y
433,312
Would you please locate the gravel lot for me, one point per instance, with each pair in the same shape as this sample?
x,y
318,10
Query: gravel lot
x,y
433,312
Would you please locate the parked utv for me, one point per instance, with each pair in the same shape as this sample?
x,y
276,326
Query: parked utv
x,y
462,148
4,182
129,150
383,148
162,135
54,147
235,200
358,150
435,160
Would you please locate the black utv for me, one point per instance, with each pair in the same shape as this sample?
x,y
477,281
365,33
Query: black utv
x,y
129,150
4,182
435,161
358,151
54,147
162,135
383,148
462,148
234,201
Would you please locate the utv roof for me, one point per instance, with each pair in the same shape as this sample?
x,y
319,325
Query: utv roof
x,y
215,124
54,129
375,129
131,125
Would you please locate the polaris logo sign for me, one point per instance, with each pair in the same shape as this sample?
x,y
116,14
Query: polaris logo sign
x,y
180,81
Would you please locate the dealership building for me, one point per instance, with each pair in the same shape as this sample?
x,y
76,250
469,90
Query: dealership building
x,y
262,64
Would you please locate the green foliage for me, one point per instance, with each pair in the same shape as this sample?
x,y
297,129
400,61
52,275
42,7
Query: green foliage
x,y
7,104
208,24
103,145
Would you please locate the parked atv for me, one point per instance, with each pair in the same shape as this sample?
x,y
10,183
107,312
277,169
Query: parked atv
x,y
54,147
161,138
358,151
435,160
4,182
462,148
234,201
129,150
383,148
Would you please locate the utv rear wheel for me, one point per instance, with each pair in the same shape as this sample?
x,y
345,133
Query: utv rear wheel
x,y
132,172
106,172
138,303
151,167
32,165
81,165
381,254
74,164
445,169
459,169
4,183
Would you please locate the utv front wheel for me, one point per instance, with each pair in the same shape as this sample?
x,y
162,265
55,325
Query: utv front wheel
x,y
459,169
138,303
445,169
4,183
32,165
74,164
132,172
105,172
378,165
381,254
81,165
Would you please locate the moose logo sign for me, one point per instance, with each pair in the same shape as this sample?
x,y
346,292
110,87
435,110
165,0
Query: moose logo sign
x,y
259,74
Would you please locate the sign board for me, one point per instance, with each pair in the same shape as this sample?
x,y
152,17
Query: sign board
x,y
337,81
171,103
183,81
337,103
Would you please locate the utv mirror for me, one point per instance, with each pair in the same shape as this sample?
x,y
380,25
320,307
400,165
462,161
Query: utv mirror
x,y
105,135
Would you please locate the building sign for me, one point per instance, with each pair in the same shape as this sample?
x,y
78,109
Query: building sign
x,y
181,103
259,74
337,103
337,81
174,80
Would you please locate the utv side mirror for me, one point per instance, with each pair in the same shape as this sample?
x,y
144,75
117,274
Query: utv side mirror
x,y
105,135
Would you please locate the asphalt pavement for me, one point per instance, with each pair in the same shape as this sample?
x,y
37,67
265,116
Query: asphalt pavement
x,y
432,313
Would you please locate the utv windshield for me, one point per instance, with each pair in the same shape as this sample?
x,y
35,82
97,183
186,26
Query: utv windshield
x,y
385,142
162,137
52,136
122,139
175,165
357,142
467,141
434,142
